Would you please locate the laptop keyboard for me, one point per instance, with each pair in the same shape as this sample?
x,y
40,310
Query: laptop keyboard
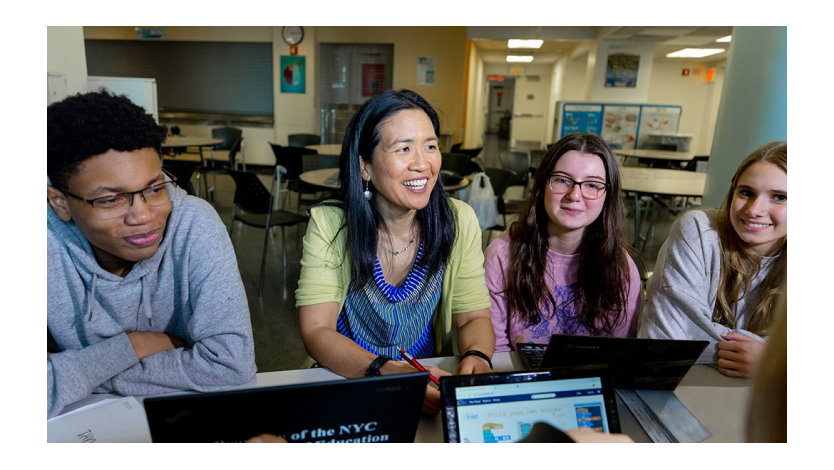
x,y
531,354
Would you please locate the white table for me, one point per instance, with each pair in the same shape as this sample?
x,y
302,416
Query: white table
x,y
654,154
176,141
328,178
657,183
718,402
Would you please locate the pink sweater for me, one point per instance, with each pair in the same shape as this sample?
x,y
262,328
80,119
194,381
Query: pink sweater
x,y
561,278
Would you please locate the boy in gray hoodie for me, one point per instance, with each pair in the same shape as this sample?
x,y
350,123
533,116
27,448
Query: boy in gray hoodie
x,y
144,292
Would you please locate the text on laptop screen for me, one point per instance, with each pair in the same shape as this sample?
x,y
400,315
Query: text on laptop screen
x,y
507,412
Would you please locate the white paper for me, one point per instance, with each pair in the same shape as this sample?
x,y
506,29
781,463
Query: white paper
x,y
112,420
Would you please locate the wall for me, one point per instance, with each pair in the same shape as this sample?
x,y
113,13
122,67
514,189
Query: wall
x,y
693,93
65,55
447,45
299,113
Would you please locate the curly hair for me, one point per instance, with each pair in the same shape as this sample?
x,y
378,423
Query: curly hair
x,y
603,278
89,124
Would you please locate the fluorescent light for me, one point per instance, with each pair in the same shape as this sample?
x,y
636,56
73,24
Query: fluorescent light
x,y
524,43
724,39
519,58
694,53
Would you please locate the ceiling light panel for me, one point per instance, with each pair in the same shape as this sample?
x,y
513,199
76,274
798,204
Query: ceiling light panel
x,y
694,53
524,43
520,58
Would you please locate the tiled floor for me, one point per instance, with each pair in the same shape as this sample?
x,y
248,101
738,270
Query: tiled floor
x,y
278,344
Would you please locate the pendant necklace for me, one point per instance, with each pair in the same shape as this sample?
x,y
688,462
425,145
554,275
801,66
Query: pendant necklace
x,y
395,253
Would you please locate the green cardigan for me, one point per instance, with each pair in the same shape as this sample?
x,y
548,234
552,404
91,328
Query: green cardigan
x,y
325,270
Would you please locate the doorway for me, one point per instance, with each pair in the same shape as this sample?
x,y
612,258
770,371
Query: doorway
x,y
500,106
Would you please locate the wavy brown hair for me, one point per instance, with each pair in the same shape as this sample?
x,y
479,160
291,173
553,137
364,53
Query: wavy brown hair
x,y
740,264
603,278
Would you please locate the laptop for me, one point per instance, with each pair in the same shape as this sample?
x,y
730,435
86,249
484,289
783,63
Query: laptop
x,y
370,409
642,363
504,406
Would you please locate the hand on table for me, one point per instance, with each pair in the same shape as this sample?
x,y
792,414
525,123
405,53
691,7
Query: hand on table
x,y
738,354
473,365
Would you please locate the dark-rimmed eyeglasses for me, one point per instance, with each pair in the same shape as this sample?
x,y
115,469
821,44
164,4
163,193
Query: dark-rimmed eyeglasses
x,y
116,205
561,184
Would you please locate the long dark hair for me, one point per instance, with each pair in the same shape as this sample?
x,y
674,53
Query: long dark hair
x,y
739,263
362,218
604,278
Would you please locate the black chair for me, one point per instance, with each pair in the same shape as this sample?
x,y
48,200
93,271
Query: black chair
x,y
501,179
214,167
182,170
692,165
303,140
290,160
519,163
536,157
253,206
457,163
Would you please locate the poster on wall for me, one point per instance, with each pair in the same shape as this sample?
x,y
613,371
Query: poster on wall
x,y
373,79
621,70
293,74
425,70
619,125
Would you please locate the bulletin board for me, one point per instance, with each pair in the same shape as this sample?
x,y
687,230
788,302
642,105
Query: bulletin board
x,y
622,125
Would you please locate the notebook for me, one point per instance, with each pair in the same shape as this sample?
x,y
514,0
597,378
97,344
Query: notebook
x,y
371,409
504,406
639,363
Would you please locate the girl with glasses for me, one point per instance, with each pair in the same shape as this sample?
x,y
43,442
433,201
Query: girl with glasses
x,y
719,273
562,267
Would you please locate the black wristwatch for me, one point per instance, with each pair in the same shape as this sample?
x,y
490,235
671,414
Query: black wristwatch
x,y
373,369
475,352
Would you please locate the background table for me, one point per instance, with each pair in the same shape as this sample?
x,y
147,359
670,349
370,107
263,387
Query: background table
x,y
326,149
657,183
653,154
176,141
325,178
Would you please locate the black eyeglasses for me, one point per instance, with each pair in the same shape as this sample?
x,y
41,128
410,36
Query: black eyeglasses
x,y
116,205
561,184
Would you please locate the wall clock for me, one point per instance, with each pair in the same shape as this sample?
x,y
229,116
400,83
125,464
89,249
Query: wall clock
x,y
292,34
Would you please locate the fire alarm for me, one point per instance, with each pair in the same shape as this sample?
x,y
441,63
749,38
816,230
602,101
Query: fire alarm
x,y
685,73
293,50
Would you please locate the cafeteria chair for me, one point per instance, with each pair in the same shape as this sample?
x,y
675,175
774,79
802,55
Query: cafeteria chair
x,y
457,163
291,160
182,170
253,206
214,167
501,179
519,163
536,157
303,140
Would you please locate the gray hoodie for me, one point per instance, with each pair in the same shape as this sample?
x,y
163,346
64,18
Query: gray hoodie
x,y
680,295
191,287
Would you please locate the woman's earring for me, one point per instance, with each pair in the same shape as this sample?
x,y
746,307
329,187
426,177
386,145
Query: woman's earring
x,y
367,193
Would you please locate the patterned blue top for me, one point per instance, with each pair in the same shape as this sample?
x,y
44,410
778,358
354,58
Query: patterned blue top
x,y
383,318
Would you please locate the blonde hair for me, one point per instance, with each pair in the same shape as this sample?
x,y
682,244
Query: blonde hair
x,y
740,264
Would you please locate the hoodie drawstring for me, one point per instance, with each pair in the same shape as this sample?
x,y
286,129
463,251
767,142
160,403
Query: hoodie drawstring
x,y
146,299
92,298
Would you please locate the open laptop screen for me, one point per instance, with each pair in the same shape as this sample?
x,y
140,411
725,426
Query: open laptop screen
x,y
502,407
369,409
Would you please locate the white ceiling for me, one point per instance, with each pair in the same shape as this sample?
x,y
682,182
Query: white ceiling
x,y
559,42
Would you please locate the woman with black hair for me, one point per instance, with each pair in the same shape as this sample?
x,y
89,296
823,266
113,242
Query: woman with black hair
x,y
393,263
563,267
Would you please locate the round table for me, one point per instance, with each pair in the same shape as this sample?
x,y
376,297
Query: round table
x,y
326,149
329,178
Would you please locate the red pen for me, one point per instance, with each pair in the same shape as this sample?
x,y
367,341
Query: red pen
x,y
410,359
